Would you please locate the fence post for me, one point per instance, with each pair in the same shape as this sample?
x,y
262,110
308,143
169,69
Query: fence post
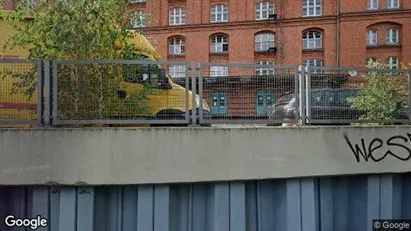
x,y
194,93
301,95
47,93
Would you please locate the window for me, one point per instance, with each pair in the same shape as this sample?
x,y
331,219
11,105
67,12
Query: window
x,y
314,63
219,44
216,71
372,38
312,40
136,1
372,4
312,8
265,70
392,36
371,60
263,10
392,63
219,13
264,41
393,4
177,71
138,19
177,16
176,46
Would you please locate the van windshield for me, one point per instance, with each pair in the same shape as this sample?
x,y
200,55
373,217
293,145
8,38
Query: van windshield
x,y
286,98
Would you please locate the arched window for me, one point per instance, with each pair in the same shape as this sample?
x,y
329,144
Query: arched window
x,y
265,70
219,44
177,16
219,13
138,19
176,46
312,40
264,41
392,36
263,10
372,37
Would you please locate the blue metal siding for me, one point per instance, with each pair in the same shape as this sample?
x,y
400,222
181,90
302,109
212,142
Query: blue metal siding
x,y
310,204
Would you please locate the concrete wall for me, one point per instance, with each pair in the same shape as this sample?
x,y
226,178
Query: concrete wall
x,y
166,155
310,204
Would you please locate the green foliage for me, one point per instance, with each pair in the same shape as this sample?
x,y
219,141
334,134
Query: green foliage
x,y
381,97
80,30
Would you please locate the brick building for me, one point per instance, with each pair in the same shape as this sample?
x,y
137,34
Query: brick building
x,y
292,32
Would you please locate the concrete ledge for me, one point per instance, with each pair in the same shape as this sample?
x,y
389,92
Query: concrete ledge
x,y
167,155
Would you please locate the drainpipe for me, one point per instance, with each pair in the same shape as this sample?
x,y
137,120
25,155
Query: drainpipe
x,y
338,34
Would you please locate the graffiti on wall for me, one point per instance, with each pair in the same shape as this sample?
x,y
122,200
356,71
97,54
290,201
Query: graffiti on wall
x,y
399,147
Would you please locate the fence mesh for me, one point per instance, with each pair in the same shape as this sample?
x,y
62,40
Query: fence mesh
x,y
18,91
245,92
118,91
358,95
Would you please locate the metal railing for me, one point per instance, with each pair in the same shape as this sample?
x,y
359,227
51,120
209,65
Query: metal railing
x,y
108,92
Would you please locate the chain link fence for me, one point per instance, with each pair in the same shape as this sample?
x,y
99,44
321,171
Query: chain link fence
x,y
20,92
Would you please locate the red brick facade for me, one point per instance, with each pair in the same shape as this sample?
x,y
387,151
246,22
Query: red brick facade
x,y
353,20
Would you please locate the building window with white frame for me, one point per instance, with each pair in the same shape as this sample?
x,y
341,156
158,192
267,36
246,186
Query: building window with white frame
x,y
176,46
392,36
371,61
219,44
372,4
219,13
177,16
393,4
264,41
263,10
265,70
312,40
137,1
312,8
393,63
138,19
218,71
372,38
177,71
314,63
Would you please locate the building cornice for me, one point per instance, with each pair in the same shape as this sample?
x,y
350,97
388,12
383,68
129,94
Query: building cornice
x,y
374,13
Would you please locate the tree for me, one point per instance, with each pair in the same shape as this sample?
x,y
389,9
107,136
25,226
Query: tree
x,y
81,30
382,96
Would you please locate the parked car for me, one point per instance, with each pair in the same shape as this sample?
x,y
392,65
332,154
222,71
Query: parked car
x,y
326,104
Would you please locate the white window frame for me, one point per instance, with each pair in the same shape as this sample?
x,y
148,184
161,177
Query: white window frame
x,y
219,13
141,22
314,63
372,4
312,8
265,70
372,38
393,4
218,71
176,46
312,40
218,43
264,41
137,1
263,10
393,63
371,58
392,36
177,16
177,71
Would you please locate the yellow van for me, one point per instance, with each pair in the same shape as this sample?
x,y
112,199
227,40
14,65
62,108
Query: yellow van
x,y
168,101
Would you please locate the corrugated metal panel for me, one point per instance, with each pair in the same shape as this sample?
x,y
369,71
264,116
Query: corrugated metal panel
x,y
334,204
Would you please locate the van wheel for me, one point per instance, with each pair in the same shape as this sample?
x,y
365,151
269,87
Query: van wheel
x,y
169,115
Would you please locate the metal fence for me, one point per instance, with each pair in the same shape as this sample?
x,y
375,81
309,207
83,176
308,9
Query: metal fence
x,y
105,92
